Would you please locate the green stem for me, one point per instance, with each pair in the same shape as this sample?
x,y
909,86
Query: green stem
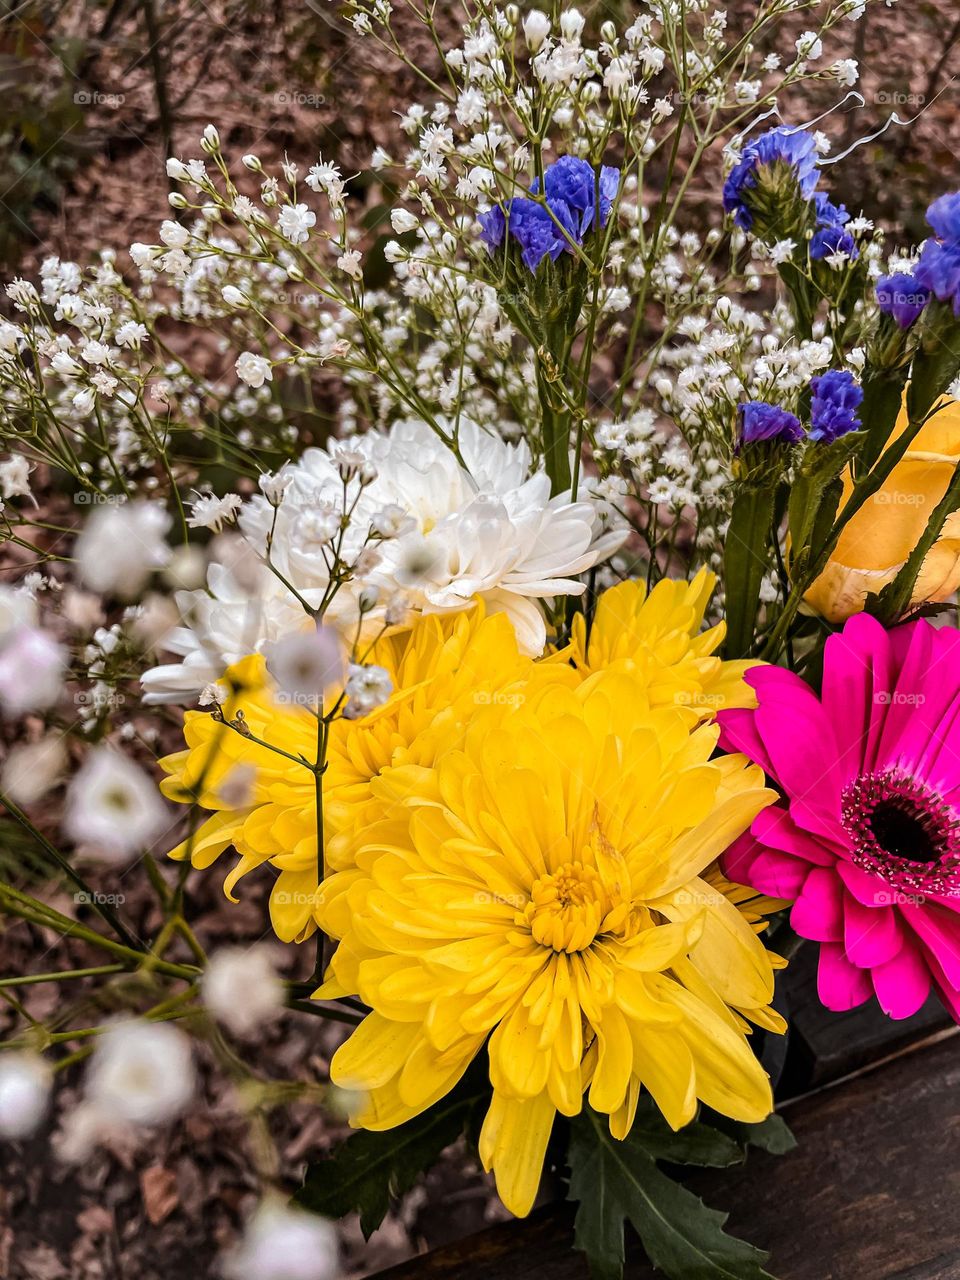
x,y
103,909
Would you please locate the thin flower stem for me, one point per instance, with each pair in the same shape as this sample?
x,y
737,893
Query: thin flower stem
x,y
103,909
64,975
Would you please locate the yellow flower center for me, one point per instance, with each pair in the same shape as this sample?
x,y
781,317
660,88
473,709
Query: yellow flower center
x,y
567,908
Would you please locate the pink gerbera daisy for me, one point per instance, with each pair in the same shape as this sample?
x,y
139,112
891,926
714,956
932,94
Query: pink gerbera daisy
x,y
867,836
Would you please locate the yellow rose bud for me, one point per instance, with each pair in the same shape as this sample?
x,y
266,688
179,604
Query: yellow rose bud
x,y
879,538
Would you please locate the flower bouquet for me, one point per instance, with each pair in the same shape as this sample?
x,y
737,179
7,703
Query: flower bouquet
x,y
559,587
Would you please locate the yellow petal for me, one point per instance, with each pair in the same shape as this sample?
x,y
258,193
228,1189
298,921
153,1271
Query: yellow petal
x,y
513,1143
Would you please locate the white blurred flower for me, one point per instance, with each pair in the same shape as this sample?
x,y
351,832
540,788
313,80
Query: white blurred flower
x,y
242,989
420,562
17,609
120,546
187,567
141,1073
306,664
113,807
32,666
281,1243
32,768
25,1081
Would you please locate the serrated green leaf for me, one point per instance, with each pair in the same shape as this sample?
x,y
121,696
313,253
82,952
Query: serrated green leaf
x,y
772,1135
619,1181
366,1171
696,1143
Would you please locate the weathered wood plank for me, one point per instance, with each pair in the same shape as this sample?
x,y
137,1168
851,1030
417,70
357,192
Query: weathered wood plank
x,y
823,1046
871,1193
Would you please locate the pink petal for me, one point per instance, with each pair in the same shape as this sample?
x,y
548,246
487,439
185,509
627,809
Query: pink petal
x,y
766,870
856,669
924,689
871,935
776,828
869,890
739,860
903,983
802,749
940,760
739,733
840,984
939,931
818,911
947,993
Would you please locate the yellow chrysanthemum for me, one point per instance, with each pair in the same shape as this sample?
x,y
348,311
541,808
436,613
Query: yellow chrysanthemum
x,y
442,669
657,636
539,889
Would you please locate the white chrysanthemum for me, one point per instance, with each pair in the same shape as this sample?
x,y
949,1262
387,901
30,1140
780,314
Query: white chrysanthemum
x,y
220,626
481,526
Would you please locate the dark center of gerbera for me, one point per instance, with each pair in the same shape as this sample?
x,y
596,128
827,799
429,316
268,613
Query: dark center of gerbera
x,y
904,833
903,830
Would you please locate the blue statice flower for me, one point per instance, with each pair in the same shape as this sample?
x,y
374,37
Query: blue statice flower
x,y
902,296
939,271
531,225
789,149
571,187
830,234
762,421
939,267
833,408
944,216
573,184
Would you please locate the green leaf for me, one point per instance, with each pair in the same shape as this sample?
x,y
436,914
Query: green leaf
x,y
746,560
772,1135
696,1143
936,362
367,1170
619,1181
815,495
894,600
882,398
